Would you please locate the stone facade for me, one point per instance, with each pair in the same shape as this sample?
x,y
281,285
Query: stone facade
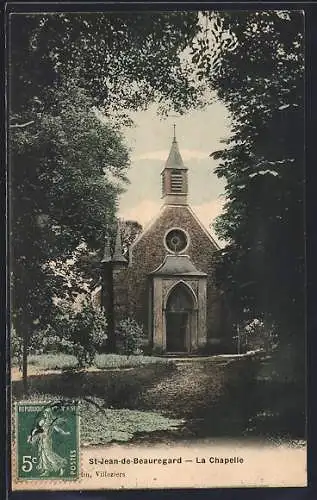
x,y
132,286
168,285
196,334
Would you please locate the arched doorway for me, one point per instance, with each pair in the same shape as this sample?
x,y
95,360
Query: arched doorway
x,y
179,311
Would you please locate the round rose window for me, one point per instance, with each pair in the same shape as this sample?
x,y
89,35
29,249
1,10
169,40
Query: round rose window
x,y
176,240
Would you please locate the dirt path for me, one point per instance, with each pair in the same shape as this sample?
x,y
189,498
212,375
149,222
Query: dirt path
x,y
189,389
194,389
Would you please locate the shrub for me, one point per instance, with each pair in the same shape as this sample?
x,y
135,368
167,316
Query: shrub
x,y
81,333
129,337
50,341
259,334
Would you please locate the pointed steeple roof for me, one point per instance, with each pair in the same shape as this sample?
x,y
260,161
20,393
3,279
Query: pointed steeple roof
x,y
118,252
107,252
174,177
178,265
174,159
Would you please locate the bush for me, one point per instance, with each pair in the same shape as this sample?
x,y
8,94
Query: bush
x,y
129,336
50,341
81,333
258,334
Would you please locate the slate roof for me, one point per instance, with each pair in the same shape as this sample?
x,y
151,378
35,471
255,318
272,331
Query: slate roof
x,y
118,251
174,159
107,252
179,265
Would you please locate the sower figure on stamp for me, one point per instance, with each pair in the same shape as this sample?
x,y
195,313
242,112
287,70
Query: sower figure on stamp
x,y
42,435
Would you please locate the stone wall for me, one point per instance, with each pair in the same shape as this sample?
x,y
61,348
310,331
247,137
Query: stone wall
x,y
148,252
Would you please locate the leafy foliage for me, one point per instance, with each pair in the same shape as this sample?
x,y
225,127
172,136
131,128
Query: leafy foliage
x,y
130,230
66,167
129,336
258,329
123,60
16,348
62,196
80,333
257,334
87,264
261,81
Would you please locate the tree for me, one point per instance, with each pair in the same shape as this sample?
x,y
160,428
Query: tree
x,y
117,62
85,267
261,81
82,332
130,230
123,60
67,169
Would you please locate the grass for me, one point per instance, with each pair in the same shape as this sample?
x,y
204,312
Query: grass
x,y
100,425
117,388
216,399
103,425
62,361
58,361
104,361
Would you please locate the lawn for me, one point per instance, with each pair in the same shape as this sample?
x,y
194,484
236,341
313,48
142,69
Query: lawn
x,y
112,361
58,361
125,398
100,425
108,397
61,361
155,398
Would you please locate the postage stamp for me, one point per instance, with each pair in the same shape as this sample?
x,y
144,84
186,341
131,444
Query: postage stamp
x,y
47,441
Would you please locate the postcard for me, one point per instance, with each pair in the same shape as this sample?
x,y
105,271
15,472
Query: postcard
x,y
156,241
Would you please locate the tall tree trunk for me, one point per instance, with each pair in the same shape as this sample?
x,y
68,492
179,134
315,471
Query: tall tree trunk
x,y
111,319
25,361
108,304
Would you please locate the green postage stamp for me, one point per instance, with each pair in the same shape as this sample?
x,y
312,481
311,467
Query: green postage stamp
x,y
47,440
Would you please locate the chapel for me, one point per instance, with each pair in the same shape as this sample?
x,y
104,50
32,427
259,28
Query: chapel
x,y
167,282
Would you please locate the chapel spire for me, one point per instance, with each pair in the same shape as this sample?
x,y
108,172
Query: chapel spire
x,y
118,256
174,177
107,252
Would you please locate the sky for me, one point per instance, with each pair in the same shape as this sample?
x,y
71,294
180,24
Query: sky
x,y
198,134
